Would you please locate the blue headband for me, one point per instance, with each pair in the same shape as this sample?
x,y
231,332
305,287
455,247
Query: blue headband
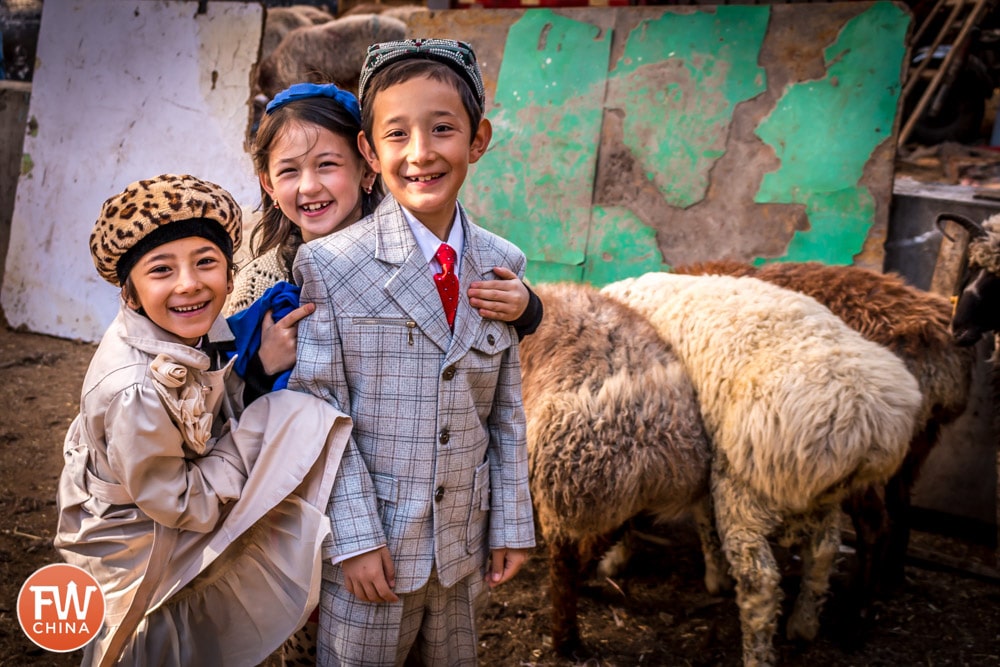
x,y
303,91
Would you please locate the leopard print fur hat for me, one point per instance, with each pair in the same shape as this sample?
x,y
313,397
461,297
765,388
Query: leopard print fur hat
x,y
154,211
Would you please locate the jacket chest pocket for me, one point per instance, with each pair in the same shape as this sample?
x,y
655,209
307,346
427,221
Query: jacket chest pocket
x,y
485,358
395,331
376,349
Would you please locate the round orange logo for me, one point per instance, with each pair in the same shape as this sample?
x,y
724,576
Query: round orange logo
x,y
60,607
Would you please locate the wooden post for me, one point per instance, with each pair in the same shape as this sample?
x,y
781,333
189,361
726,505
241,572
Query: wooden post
x,y
951,259
14,97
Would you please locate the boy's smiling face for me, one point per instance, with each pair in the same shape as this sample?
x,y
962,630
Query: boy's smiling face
x,y
424,144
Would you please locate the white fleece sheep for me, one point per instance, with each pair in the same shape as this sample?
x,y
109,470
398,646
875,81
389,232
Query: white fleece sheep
x,y
914,325
801,411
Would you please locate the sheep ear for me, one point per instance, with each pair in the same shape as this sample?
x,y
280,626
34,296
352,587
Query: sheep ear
x,y
974,229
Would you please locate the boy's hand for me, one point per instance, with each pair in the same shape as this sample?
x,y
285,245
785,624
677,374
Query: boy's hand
x,y
278,339
504,299
371,576
504,564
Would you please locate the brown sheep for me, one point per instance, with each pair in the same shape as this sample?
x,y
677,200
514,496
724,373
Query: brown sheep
x,y
329,52
613,431
913,324
402,12
280,21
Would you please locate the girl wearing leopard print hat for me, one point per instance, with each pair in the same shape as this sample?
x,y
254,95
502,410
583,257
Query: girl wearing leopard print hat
x,y
314,181
201,520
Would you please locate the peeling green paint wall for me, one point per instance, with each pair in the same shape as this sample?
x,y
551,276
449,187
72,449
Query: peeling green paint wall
x,y
825,131
677,81
556,92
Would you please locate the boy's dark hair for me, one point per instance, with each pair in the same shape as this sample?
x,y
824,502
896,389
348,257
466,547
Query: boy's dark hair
x,y
274,228
414,68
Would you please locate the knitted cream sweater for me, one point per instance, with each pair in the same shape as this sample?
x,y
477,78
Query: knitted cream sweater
x,y
254,279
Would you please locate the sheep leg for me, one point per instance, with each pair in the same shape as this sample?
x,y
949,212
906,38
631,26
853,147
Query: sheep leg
x,y
744,525
616,558
717,578
817,564
869,514
564,581
898,504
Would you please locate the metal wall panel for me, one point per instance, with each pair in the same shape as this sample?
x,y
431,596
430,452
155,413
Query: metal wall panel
x,y
750,132
122,90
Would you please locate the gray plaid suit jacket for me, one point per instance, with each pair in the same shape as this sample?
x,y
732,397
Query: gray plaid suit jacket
x,y
437,467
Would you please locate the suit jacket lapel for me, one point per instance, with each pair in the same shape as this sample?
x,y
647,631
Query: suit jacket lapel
x,y
411,286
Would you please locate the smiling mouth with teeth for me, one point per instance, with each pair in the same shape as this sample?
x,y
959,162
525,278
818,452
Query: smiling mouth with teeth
x,y
314,207
188,309
423,179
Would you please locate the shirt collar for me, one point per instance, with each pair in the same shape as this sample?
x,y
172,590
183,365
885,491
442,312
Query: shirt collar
x,y
429,243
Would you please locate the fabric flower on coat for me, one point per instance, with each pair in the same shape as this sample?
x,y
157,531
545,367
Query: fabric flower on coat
x,y
184,399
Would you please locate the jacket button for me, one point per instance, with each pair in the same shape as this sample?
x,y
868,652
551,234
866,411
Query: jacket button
x,y
444,438
438,494
449,373
490,339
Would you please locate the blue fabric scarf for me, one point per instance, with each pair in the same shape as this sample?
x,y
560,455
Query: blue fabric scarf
x,y
280,299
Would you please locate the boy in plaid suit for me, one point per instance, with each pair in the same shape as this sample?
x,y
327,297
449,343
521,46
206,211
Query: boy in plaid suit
x,y
431,504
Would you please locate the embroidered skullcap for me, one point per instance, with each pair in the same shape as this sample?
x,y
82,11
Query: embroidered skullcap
x,y
457,55
302,91
154,211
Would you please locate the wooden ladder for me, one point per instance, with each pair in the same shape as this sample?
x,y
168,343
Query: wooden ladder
x,y
963,15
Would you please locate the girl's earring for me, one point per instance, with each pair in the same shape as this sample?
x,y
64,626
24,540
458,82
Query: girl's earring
x,y
368,189
277,206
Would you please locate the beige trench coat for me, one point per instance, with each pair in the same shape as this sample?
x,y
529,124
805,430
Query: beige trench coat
x,y
202,522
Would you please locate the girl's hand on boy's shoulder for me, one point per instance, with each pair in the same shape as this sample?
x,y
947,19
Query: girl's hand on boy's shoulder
x,y
505,299
504,564
278,340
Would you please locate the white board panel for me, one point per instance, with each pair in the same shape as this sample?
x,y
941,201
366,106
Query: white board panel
x,y
122,90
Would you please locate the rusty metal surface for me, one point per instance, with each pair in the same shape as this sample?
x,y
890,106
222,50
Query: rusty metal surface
x,y
631,139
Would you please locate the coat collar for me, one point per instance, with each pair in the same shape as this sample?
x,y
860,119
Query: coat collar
x,y
394,241
412,288
141,333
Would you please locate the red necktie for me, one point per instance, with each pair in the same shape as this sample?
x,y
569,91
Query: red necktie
x,y
447,282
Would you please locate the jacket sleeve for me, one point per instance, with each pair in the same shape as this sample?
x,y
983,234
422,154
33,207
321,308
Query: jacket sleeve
x,y
529,320
256,381
145,452
511,520
319,370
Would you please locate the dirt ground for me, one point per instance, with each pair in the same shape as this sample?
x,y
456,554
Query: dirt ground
x,y
658,615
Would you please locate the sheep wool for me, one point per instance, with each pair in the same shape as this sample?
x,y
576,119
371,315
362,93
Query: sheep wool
x,y
773,367
801,412
984,252
333,51
613,430
915,325
975,309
